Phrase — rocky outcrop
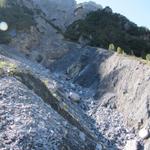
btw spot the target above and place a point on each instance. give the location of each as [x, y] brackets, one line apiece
[25, 41]
[82, 9]
[59, 12]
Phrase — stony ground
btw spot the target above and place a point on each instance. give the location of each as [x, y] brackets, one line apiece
[108, 121]
[21, 127]
[24, 123]
[27, 123]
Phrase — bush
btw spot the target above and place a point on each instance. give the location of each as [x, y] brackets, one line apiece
[5, 38]
[120, 50]
[111, 47]
[17, 17]
[148, 57]
[3, 3]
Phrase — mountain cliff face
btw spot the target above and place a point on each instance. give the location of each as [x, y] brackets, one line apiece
[83, 9]
[59, 12]
[61, 95]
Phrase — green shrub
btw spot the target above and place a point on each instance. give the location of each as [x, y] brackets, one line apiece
[111, 47]
[148, 57]
[5, 38]
[120, 50]
[17, 17]
[3, 3]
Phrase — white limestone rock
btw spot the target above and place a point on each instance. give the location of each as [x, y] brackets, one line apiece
[82, 9]
[60, 12]
[147, 145]
[74, 96]
[99, 147]
[3, 26]
[131, 145]
[143, 133]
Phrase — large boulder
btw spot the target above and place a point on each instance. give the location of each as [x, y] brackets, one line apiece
[131, 144]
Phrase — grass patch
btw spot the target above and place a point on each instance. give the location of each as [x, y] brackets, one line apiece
[8, 66]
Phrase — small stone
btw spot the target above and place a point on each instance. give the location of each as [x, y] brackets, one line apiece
[80, 92]
[131, 145]
[147, 145]
[98, 147]
[72, 86]
[74, 96]
[3, 26]
[82, 136]
[143, 133]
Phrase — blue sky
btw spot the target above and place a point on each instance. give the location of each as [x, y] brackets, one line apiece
[137, 11]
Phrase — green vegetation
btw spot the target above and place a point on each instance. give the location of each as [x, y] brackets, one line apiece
[120, 50]
[5, 38]
[148, 57]
[3, 3]
[112, 47]
[102, 28]
[17, 17]
[10, 67]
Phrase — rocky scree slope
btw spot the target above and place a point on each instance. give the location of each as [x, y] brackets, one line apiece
[109, 104]
[86, 124]
[28, 119]
[118, 82]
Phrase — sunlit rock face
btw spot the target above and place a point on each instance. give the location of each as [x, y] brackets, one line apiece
[60, 12]
[83, 9]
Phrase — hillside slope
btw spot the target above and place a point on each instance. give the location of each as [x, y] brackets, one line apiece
[103, 27]
[61, 95]
[118, 82]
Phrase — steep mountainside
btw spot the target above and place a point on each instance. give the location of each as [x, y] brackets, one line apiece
[40, 26]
